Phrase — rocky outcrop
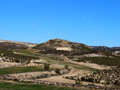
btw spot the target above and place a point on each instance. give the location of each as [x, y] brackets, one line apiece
[110, 77]
[33, 75]
[28, 75]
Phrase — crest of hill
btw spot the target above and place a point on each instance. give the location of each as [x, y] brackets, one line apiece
[8, 44]
[54, 43]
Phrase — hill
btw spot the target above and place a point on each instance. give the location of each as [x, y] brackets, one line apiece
[9, 43]
[112, 49]
[67, 64]
[10, 56]
[60, 46]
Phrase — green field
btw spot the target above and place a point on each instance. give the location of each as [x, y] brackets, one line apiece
[11, 70]
[27, 52]
[23, 86]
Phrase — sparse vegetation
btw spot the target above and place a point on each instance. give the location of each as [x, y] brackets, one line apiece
[110, 77]
[10, 45]
[109, 61]
[78, 80]
[66, 66]
[46, 66]
[10, 56]
[57, 71]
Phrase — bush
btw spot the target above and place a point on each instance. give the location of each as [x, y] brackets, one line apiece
[78, 82]
[57, 71]
[66, 67]
[46, 66]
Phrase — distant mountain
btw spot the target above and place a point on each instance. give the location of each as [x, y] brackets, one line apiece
[113, 49]
[100, 48]
[8, 44]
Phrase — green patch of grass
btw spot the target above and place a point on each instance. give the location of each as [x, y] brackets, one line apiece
[27, 52]
[85, 68]
[10, 86]
[77, 66]
[11, 70]
[57, 58]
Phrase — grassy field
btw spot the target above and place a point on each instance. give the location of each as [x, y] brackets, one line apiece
[13, 86]
[27, 52]
[73, 65]
[11, 70]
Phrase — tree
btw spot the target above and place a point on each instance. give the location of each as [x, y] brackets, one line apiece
[66, 67]
[46, 66]
[57, 71]
[78, 80]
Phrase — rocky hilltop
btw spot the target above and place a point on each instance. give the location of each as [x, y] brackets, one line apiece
[60, 43]
[60, 46]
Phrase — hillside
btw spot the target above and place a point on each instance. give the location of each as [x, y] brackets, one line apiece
[10, 43]
[10, 56]
[58, 62]
[60, 46]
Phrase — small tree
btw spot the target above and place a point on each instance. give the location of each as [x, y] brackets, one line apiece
[78, 80]
[66, 67]
[46, 66]
[57, 71]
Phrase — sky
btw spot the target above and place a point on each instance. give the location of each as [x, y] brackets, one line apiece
[92, 22]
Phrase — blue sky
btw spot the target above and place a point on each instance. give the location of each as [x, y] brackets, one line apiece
[92, 22]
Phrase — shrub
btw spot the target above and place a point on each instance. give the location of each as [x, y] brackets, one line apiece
[78, 82]
[46, 66]
[57, 71]
[66, 67]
